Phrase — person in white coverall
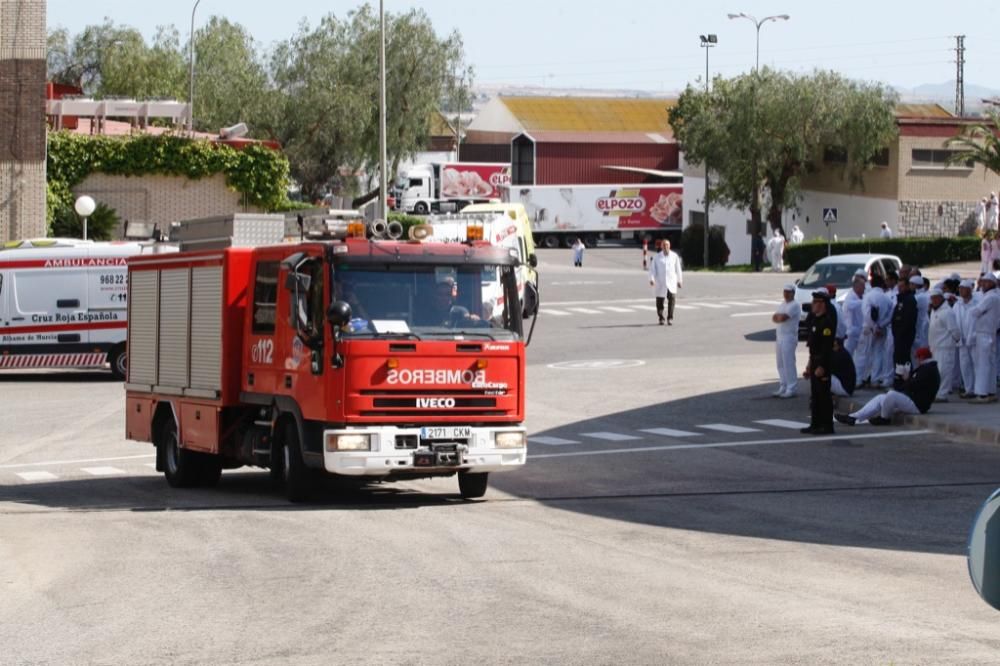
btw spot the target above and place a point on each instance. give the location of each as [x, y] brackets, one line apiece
[992, 212]
[944, 337]
[966, 347]
[797, 236]
[786, 320]
[986, 253]
[666, 277]
[775, 251]
[985, 317]
[920, 293]
[883, 367]
[852, 309]
[871, 345]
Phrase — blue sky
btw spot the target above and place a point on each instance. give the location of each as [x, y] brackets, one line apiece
[641, 44]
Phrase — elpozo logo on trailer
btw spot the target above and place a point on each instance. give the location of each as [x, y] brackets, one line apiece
[621, 203]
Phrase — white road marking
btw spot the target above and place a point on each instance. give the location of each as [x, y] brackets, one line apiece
[726, 445]
[611, 308]
[103, 471]
[714, 306]
[669, 432]
[763, 302]
[586, 311]
[551, 441]
[751, 314]
[555, 313]
[649, 308]
[725, 427]
[678, 306]
[578, 283]
[734, 304]
[610, 436]
[76, 462]
[37, 476]
[782, 423]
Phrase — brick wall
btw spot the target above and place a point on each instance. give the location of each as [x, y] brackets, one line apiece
[22, 119]
[163, 199]
[937, 218]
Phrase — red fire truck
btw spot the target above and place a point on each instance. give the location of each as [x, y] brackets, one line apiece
[352, 357]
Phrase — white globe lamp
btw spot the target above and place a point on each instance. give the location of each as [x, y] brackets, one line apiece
[85, 207]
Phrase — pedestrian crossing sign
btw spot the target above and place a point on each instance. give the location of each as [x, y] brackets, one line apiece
[829, 215]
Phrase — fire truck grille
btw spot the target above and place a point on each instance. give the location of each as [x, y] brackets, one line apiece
[434, 412]
[432, 403]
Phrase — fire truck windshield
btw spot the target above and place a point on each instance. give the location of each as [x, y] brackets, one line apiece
[427, 300]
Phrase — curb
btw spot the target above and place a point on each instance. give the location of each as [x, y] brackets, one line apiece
[967, 431]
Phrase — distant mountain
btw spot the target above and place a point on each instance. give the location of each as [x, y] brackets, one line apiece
[944, 94]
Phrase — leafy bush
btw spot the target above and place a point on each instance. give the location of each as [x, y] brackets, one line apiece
[100, 226]
[693, 246]
[914, 251]
[407, 221]
[259, 173]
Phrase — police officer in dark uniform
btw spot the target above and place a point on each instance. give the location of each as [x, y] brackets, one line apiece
[822, 326]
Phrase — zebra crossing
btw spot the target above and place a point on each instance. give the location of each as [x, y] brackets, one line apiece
[64, 473]
[696, 431]
[560, 310]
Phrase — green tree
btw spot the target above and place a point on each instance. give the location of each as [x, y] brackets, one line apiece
[324, 103]
[767, 130]
[979, 144]
[230, 78]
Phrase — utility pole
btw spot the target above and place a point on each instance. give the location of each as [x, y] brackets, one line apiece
[707, 42]
[382, 159]
[960, 76]
[191, 66]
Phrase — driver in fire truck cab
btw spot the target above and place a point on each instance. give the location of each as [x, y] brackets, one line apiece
[428, 300]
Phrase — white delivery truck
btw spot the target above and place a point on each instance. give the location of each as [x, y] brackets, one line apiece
[451, 186]
[63, 304]
[560, 214]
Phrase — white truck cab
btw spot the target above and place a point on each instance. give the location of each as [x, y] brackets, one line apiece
[63, 304]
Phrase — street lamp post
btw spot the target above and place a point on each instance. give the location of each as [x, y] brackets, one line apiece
[757, 24]
[707, 42]
[191, 67]
[382, 157]
[85, 207]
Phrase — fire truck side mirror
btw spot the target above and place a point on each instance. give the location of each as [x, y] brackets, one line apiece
[339, 314]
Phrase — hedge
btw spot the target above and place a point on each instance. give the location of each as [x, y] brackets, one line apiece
[693, 246]
[259, 173]
[913, 251]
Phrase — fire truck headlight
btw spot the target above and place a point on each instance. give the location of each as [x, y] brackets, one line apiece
[348, 442]
[510, 440]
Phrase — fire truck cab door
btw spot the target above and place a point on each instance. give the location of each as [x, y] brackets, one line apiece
[302, 318]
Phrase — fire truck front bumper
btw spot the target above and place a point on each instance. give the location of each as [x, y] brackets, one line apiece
[387, 450]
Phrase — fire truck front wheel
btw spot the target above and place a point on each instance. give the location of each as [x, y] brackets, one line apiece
[297, 479]
[473, 485]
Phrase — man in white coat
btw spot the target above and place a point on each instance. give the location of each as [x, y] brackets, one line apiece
[853, 312]
[967, 345]
[944, 337]
[920, 293]
[985, 317]
[868, 358]
[786, 320]
[797, 236]
[776, 251]
[981, 215]
[666, 277]
[884, 367]
[992, 212]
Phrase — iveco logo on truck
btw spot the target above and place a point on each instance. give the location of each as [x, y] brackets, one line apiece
[435, 403]
[616, 204]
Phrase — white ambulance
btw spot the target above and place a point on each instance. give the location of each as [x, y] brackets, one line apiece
[63, 304]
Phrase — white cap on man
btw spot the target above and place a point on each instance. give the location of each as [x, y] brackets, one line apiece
[967, 284]
[917, 281]
[789, 287]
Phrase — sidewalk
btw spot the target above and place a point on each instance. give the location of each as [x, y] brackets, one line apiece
[959, 418]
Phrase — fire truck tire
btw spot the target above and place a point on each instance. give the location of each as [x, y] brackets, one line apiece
[118, 359]
[473, 486]
[298, 479]
[181, 467]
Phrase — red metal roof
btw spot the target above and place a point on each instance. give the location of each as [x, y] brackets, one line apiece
[662, 137]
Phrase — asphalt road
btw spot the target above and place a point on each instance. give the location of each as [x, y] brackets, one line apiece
[670, 513]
